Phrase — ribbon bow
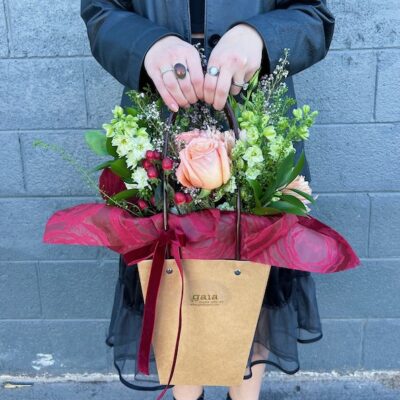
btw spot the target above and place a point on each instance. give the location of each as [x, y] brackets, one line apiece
[176, 239]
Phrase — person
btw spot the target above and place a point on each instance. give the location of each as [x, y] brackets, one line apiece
[151, 42]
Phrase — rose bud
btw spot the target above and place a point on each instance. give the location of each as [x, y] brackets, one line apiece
[147, 164]
[188, 198]
[157, 155]
[150, 155]
[152, 172]
[179, 198]
[167, 164]
[142, 204]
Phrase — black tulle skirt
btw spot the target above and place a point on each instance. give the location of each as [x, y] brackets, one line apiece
[288, 316]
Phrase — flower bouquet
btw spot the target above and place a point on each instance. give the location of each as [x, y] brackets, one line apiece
[185, 194]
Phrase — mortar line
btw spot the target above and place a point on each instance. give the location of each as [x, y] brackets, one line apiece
[22, 163]
[364, 328]
[85, 92]
[376, 85]
[369, 225]
[7, 14]
[39, 286]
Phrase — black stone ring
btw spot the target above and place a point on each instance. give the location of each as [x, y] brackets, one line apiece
[180, 70]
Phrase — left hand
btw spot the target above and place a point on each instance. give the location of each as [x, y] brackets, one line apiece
[238, 56]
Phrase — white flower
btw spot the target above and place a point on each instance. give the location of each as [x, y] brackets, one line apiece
[225, 207]
[230, 186]
[253, 156]
[118, 111]
[252, 173]
[140, 178]
[123, 143]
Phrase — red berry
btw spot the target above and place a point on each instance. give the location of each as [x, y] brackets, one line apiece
[157, 155]
[179, 198]
[150, 155]
[153, 200]
[142, 204]
[152, 172]
[146, 164]
[167, 164]
[188, 198]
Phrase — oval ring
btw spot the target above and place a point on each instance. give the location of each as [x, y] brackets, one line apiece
[166, 69]
[180, 70]
[213, 71]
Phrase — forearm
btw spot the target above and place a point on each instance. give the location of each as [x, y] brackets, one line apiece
[306, 28]
[119, 38]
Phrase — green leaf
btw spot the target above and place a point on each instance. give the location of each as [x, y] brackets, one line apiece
[131, 111]
[297, 169]
[204, 193]
[284, 170]
[268, 194]
[255, 185]
[294, 201]
[125, 194]
[120, 168]
[304, 194]
[103, 165]
[96, 141]
[287, 208]
[111, 150]
[265, 211]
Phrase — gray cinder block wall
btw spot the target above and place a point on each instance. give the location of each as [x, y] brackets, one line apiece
[55, 301]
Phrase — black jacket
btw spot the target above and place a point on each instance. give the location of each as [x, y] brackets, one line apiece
[122, 31]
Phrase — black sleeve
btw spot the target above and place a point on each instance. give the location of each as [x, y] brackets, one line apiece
[305, 27]
[120, 38]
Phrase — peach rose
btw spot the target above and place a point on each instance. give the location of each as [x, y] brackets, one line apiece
[186, 137]
[204, 164]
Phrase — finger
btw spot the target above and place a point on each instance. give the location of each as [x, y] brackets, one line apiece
[172, 85]
[196, 74]
[187, 88]
[238, 77]
[222, 89]
[210, 83]
[164, 93]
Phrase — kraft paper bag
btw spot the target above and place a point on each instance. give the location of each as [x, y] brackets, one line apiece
[219, 316]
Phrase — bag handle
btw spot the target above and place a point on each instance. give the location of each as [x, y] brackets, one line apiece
[234, 125]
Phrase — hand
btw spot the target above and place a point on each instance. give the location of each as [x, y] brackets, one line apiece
[165, 53]
[238, 56]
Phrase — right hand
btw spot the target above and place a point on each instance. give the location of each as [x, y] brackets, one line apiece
[175, 92]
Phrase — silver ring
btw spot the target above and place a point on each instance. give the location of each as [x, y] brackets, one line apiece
[166, 69]
[213, 71]
[243, 85]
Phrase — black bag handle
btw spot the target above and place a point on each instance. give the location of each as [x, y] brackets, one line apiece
[234, 125]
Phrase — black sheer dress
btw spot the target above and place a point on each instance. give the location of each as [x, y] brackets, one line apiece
[289, 314]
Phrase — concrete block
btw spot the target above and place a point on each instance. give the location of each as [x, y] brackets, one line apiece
[47, 31]
[364, 292]
[365, 23]
[341, 87]
[87, 289]
[52, 347]
[41, 93]
[387, 104]
[339, 348]
[103, 93]
[385, 225]
[382, 344]
[46, 172]
[11, 173]
[23, 222]
[354, 157]
[3, 31]
[19, 290]
[348, 214]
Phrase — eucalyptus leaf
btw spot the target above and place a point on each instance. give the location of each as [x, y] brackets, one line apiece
[96, 141]
[101, 166]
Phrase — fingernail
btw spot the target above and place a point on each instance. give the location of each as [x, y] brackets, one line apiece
[174, 107]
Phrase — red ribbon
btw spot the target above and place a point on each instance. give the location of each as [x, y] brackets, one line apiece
[175, 239]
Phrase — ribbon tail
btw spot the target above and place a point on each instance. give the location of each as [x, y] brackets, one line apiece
[150, 307]
[177, 257]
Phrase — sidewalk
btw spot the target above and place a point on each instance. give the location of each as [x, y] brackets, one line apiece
[366, 386]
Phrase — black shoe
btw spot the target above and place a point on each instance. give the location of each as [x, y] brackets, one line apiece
[199, 398]
[228, 396]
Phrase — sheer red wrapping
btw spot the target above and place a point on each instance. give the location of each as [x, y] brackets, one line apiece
[285, 240]
[302, 243]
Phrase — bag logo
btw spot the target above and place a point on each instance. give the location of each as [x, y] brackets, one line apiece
[206, 299]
